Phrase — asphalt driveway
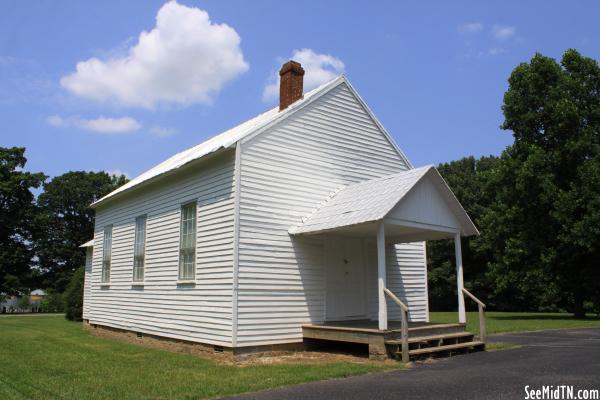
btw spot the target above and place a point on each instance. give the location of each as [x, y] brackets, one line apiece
[558, 357]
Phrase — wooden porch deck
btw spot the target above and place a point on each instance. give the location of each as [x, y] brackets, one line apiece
[383, 343]
[366, 325]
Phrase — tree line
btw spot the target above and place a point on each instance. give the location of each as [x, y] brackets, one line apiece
[40, 236]
[537, 205]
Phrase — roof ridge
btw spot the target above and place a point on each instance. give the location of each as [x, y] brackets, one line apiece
[423, 171]
[392, 176]
[331, 195]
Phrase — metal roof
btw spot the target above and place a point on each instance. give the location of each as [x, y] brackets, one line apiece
[223, 140]
[372, 200]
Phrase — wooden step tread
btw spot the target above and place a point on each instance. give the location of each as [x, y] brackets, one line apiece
[432, 327]
[457, 346]
[419, 339]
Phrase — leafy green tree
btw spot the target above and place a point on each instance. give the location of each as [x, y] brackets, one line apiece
[546, 210]
[53, 302]
[17, 211]
[67, 221]
[466, 177]
[24, 304]
[74, 296]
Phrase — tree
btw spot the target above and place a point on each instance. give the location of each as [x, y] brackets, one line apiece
[53, 302]
[546, 208]
[67, 221]
[17, 211]
[466, 177]
[24, 304]
[74, 296]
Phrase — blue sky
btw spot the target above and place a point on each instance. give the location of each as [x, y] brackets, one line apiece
[433, 72]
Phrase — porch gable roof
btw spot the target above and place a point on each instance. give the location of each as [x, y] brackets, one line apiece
[89, 243]
[373, 200]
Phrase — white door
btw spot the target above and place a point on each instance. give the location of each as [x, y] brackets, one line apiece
[346, 284]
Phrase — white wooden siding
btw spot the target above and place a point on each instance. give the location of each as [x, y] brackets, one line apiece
[424, 204]
[87, 284]
[285, 173]
[406, 277]
[200, 312]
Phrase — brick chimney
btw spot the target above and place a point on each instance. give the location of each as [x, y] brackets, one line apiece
[291, 84]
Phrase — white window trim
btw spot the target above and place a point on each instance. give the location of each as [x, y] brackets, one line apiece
[106, 271]
[139, 282]
[187, 279]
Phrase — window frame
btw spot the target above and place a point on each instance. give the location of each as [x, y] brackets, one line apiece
[137, 255]
[186, 272]
[106, 254]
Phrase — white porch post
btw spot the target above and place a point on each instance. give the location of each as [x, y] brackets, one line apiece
[383, 321]
[462, 317]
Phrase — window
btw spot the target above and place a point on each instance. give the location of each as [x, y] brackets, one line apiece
[139, 249]
[106, 252]
[187, 253]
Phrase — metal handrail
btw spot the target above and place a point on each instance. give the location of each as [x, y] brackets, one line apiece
[481, 306]
[404, 321]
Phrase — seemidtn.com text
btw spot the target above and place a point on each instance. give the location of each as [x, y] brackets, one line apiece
[560, 392]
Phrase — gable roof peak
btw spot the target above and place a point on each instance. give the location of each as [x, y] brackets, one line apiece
[372, 200]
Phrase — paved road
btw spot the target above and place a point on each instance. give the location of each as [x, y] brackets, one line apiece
[570, 357]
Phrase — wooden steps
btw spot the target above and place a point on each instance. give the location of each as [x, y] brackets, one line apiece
[429, 350]
[435, 340]
[420, 339]
[427, 330]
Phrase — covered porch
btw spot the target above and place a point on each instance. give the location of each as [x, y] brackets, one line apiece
[412, 206]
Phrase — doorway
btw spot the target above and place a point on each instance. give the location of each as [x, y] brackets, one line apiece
[346, 279]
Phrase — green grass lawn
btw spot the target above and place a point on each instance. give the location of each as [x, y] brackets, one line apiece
[45, 357]
[499, 322]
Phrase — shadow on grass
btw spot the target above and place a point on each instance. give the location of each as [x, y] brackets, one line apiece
[546, 317]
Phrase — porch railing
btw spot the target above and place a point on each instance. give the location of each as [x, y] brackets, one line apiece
[404, 320]
[481, 305]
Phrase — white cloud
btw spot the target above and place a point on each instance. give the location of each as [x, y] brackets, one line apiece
[184, 59]
[118, 172]
[503, 32]
[471, 27]
[161, 131]
[319, 68]
[100, 124]
[111, 125]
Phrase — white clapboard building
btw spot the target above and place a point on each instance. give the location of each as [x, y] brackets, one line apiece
[308, 215]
